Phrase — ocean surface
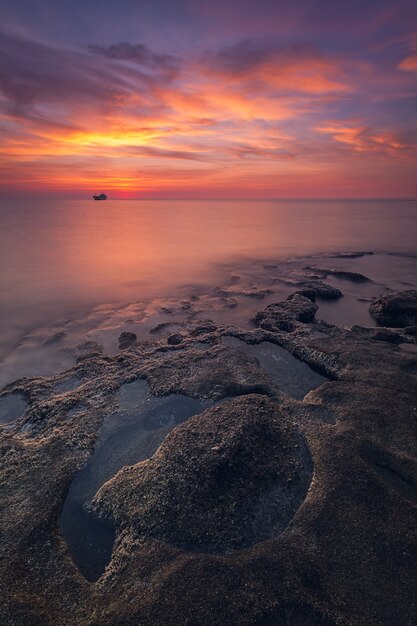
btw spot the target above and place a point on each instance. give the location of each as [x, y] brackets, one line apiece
[74, 271]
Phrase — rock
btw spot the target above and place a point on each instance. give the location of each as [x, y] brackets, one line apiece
[256, 292]
[199, 495]
[175, 339]
[353, 276]
[395, 310]
[383, 334]
[127, 340]
[88, 350]
[159, 327]
[217, 372]
[202, 327]
[229, 303]
[282, 315]
[350, 255]
[56, 338]
[318, 289]
[181, 563]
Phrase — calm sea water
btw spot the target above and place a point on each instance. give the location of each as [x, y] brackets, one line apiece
[61, 258]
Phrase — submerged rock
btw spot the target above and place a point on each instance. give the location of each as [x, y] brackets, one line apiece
[397, 310]
[56, 338]
[350, 255]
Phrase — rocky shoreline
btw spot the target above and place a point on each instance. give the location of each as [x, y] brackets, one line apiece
[262, 509]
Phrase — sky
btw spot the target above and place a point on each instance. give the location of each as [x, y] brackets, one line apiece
[209, 99]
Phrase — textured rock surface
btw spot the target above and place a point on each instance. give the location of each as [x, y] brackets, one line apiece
[226, 479]
[127, 340]
[283, 315]
[340, 550]
[396, 310]
[313, 289]
[355, 277]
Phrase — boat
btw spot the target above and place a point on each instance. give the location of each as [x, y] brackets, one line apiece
[101, 196]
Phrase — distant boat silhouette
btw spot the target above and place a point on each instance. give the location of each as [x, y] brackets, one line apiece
[102, 196]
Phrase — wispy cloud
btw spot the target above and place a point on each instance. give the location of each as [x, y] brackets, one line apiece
[239, 117]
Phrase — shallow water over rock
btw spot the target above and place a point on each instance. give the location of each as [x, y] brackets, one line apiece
[291, 375]
[11, 408]
[131, 434]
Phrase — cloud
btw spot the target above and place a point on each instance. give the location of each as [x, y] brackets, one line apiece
[140, 54]
[367, 139]
[38, 81]
[296, 68]
[409, 64]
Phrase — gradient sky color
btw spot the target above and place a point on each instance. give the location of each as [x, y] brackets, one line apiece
[210, 99]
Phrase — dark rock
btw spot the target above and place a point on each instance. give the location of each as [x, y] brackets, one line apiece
[396, 310]
[91, 356]
[88, 350]
[256, 292]
[226, 479]
[202, 327]
[217, 372]
[282, 315]
[318, 289]
[383, 334]
[335, 563]
[175, 339]
[127, 340]
[159, 327]
[56, 338]
[353, 276]
[229, 303]
[350, 255]
[234, 279]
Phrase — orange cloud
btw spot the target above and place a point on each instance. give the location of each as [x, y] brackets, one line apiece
[409, 64]
[364, 139]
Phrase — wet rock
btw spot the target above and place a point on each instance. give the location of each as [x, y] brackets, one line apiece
[11, 407]
[355, 277]
[88, 350]
[318, 289]
[395, 310]
[224, 480]
[379, 334]
[350, 255]
[175, 339]
[229, 303]
[335, 563]
[56, 338]
[127, 340]
[256, 292]
[160, 327]
[217, 372]
[282, 315]
[203, 327]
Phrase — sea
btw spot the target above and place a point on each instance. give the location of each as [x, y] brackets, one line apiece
[77, 271]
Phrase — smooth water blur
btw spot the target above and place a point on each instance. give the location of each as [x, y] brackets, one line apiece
[61, 258]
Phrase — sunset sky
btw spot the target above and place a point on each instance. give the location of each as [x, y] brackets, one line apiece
[209, 98]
